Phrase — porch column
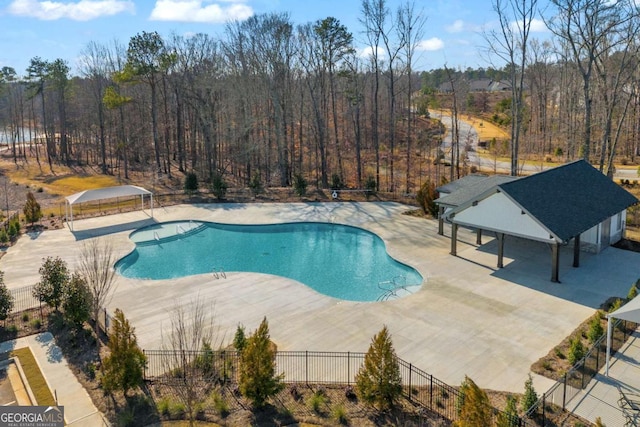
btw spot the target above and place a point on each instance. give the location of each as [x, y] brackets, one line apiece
[441, 220]
[555, 262]
[454, 239]
[479, 236]
[500, 237]
[576, 251]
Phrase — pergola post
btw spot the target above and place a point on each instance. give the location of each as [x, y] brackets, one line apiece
[454, 239]
[555, 262]
[479, 236]
[576, 251]
[441, 220]
[606, 370]
[500, 237]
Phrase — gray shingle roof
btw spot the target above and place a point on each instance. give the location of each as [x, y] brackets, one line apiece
[469, 189]
[456, 185]
[569, 199]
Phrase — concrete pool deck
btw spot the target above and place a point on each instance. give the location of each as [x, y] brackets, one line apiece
[469, 318]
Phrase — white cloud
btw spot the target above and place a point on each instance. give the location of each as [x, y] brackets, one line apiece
[537, 26]
[431, 44]
[456, 27]
[83, 10]
[367, 52]
[197, 11]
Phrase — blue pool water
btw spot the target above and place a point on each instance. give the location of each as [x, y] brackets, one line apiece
[337, 260]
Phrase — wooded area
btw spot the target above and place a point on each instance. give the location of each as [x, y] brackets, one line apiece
[271, 100]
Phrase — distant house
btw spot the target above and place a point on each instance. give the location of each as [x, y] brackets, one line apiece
[570, 204]
[477, 85]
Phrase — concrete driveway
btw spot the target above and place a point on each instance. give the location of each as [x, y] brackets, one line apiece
[469, 318]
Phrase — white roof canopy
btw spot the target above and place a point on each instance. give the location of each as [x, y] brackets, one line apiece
[629, 312]
[106, 193]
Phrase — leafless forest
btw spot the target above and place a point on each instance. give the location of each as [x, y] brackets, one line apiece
[271, 99]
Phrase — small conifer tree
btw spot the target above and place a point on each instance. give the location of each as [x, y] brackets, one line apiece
[378, 382]
[476, 410]
[576, 350]
[509, 418]
[595, 329]
[32, 211]
[530, 396]
[239, 339]
[258, 379]
[123, 369]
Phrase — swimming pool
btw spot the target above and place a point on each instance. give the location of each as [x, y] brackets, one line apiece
[340, 261]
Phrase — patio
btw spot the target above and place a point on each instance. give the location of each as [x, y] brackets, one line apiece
[600, 398]
[469, 317]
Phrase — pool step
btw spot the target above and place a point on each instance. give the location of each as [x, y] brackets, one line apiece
[157, 239]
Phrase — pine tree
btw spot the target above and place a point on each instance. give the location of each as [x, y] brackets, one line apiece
[378, 382]
[476, 409]
[32, 211]
[258, 380]
[123, 369]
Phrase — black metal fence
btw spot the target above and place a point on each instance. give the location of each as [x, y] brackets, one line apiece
[580, 374]
[307, 367]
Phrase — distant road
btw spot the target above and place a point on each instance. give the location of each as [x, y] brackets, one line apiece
[469, 137]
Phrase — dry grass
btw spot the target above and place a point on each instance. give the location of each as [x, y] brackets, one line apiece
[36, 380]
[486, 130]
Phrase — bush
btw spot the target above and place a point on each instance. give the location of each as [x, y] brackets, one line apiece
[633, 291]
[36, 324]
[595, 329]
[558, 152]
[54, 276]
[339, 415]
[371, 186]
[4, 237]
[219, 404]
[317, 401]
[299, 185]
[218, 186]
[336, 182]
[190, 183]
[576, 350]
[6, 299]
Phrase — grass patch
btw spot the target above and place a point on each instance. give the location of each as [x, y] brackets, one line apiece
[34, 376]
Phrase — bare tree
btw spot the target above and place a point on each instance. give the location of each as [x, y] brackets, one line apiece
[410, 30]
[96, 267]
[590, 30]
[510, 43]
[188, 352]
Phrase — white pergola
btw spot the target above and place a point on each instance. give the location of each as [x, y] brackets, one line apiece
[105, 193]
[630, 312]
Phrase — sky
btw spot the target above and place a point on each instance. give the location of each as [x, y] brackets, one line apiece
[52, 29]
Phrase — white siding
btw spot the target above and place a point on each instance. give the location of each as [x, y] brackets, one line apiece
[499, 213]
